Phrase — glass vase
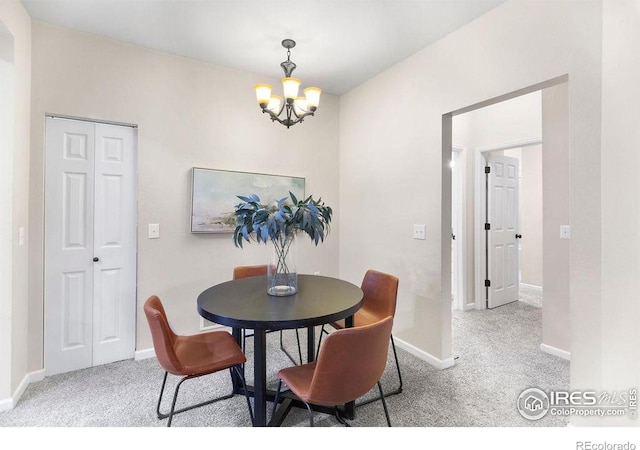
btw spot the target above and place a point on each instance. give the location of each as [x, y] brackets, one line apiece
[282, 276]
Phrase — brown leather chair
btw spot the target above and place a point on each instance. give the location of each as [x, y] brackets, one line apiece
[349, 365]
[257, 271]
[191, 356]
[380, 298]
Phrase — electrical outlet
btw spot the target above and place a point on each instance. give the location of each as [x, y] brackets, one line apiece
[154, 230]
[419, 231]
[565, 232]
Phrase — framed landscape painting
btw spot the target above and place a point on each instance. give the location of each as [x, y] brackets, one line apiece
[214, 195]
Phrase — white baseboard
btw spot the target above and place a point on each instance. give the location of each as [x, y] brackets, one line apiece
[6, 404]
[31, 377]
[555, 351]
[531, 287]
[425, 356]
[144, 354]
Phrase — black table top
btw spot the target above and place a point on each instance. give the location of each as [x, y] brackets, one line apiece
[244, 303]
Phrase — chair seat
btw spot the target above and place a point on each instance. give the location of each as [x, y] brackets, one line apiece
[360, 319]
[298, 378]
[208, 352]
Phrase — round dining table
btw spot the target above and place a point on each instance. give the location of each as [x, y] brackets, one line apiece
[244, 303]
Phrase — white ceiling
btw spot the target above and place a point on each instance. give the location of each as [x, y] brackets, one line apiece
[340, 44]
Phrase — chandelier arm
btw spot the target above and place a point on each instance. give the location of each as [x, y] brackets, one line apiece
[273, 116]
[288, 122]
[281, 108]
[302, 116]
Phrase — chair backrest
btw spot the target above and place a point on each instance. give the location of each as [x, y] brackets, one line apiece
[380, 294]
[249, 271]
[351, 361]
[163, 336]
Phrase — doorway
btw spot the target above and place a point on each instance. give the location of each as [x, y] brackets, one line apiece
[90, 244]
[505, 130]
[553, 246]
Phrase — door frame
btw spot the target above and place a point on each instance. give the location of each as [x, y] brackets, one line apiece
[458, 178]
[7, 240]
[135, 200]
[480, 157]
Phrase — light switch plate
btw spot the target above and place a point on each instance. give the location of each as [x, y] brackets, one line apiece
[154, 230]
[419, 231]
[565, 232]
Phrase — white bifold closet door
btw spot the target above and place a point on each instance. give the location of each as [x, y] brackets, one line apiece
[90, 244]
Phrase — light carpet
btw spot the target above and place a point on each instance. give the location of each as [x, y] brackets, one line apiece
[497, 355]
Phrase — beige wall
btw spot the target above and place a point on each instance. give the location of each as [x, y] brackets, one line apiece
[516, 45]
[14, 309]
[620, 161]
[188, 114]
[556, 324]
[531, 216]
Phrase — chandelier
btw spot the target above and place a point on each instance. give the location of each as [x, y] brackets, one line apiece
[295, 108]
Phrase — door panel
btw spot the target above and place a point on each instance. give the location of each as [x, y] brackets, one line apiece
[74, 207]
[74, 288]
[115, 242]
[504, 219]
[68, 245]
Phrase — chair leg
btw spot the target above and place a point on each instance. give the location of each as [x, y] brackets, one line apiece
[276, 399]
[299, 347]
[174, 411]
[173, 403]
[398, 390]
[310, 414]
[240, 371]
[287, 353]
[164, 382]
[322, 331]
[384, 404]
[339, 418]
[395, 356]
[244, 340]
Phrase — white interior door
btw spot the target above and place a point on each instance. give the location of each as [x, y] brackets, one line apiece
[90, 247]
[502, 243]
[114, 244]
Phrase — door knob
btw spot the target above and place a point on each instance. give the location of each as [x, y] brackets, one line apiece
[518, 236]
[96, 259]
